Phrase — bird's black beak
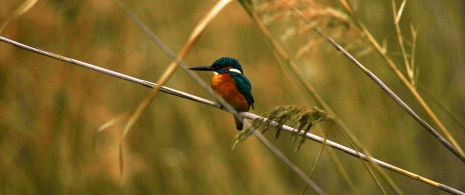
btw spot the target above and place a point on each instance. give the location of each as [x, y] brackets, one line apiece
[203, 68]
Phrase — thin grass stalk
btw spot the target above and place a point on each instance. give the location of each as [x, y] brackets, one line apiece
[341, 168]
[290, 78]
[336, 161]
[414, 33]
[246, 115]
[288, 162]
[384, 175]
[316, 162]
[345, 130]
[346, 5]
[107, 125]
[22, 9]
[443, 106]
[397, 14]
[344, 174]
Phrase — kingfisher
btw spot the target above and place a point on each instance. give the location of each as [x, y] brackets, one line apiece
[230, 83]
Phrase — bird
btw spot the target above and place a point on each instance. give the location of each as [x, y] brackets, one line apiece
[230, 83]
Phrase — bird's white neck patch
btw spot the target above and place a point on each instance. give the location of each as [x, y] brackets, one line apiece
[215, 73]
[235, 70]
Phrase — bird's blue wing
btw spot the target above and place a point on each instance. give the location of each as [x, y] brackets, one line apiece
[243, 85]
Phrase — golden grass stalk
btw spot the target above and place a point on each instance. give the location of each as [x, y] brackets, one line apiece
[22, 9]
[443, 106]
[341, 169]
[416, 71]
[323, 145]
[335, 158]
[108, 124]
[286, 161]
[397, 15]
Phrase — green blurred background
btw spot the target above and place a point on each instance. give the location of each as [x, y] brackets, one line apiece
[50, 110]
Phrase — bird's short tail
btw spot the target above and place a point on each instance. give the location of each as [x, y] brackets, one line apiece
[239, 123]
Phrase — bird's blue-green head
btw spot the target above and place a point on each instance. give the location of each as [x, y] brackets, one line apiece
[222, 65]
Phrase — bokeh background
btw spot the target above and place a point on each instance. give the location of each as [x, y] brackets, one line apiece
[50, 110]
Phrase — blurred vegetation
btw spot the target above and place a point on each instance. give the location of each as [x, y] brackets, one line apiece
[50, 110]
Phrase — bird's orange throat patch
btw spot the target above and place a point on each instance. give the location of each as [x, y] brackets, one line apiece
[225, 87]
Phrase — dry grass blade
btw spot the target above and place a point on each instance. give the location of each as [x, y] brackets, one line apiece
[345, 175]
[316, 162]
[168, 72]
[346, 5]
[414, 33]
[286, 161]
[289, 78]
[397, 15]
[401, 10]
[200, 28]
[22, 9]
[459, 120]
[107, 125]
[336, 160]
[113, 122]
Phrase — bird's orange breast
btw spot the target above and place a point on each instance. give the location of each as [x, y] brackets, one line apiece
[225, 87]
